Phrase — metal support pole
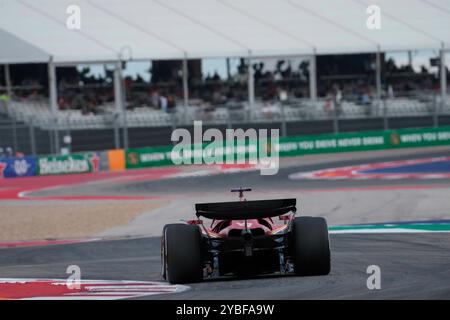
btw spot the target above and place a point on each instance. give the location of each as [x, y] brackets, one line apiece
[32, 137]
[385, 115]
[443, 79]
[118, 103]
[335, 118]
[68, 142]
[250, 85]
[53, 95]
[14, 135]
[125, 120]
[378, 78]
[185, 88]
[50, 140]
[228, 69]
[118, 106]
[436, 114]
[8, 80]
[283, 121]
[313, 78]
[410, 59]
[229, 123]
[119, 100]
[173, 121]
[116, 131]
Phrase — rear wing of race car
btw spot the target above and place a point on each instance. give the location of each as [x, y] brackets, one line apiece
[243, 210]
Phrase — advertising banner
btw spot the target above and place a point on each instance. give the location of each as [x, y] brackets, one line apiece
[302, 145]
[18, 167]
[148, 157]
[76, 163]
[362, 141]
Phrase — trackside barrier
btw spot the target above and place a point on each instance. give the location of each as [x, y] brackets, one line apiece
[303, 145]
[18, 167]
[75, 163]
[117, 160]
[53, 165]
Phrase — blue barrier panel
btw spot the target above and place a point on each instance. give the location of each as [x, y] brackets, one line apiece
[18, 167]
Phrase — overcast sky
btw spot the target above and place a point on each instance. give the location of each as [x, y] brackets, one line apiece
[209, 66]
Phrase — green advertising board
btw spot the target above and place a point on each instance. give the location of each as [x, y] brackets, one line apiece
[362, 141]
[148, 157]
[293, 146]
[75, 163]
[161, 156]
[303, 145]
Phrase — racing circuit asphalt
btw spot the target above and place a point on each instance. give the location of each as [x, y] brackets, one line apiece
[415, 265]
[223, 183]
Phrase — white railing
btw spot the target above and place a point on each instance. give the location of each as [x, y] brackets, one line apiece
[39, 113]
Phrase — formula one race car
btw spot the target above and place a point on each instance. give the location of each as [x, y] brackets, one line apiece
[244, 240]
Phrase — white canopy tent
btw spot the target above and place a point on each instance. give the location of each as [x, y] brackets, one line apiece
[112, 30]
[175, 29]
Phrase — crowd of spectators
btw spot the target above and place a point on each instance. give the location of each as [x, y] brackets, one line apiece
[91, 97]
[90, 94]
[8, 152]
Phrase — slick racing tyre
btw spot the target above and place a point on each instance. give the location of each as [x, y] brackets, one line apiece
[311, 247]
[182, 254]
[163, 253]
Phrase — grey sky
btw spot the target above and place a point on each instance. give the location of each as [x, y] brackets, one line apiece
[209, 66]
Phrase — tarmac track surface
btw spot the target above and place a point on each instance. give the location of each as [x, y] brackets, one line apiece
[415, 265]
[206, 185]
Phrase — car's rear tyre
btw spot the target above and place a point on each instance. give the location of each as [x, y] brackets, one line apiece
[163, 253]
[311, 246]
[182, 253]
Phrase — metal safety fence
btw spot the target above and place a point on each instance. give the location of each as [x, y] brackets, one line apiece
[32, 128]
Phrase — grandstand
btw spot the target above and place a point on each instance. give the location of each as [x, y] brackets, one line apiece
[40, 114]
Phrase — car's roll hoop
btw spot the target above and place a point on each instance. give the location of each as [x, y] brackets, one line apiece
[241, 192]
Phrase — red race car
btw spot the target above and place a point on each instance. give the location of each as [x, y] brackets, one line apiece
[244, 240]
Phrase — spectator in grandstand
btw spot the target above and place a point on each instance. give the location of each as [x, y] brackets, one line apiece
[4, 97]
[62, 104]
[329, 104]
[390, 93]
[154, 97]
[217, 96]
[171, 104]
[34, 95]
[92, 104]
[76, 101]
[163, 103]
[216, 76]
[366, 101]
[282, 94]
[8, 152]
[338, 101]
